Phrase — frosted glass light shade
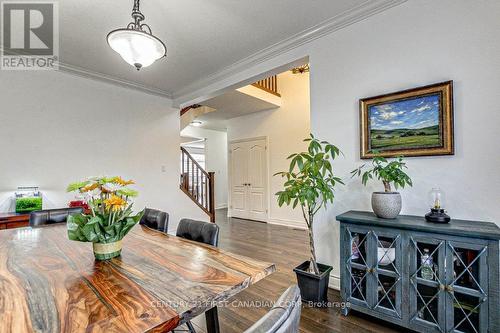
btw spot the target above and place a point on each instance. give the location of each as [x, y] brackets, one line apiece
[137, 48]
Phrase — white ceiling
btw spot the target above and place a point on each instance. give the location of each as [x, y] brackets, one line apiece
[202, 36]
[231, 105]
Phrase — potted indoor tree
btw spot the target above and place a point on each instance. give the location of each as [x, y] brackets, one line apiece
[109, 217]
[385, 204]
[310, 184]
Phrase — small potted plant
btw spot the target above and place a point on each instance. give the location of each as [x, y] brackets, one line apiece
[110, 215]
[310, 184]
[385, 204]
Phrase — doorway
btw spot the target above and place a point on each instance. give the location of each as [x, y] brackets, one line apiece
[248, 179]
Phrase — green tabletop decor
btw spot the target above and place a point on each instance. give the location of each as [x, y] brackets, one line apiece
[28, 199]
[28, 204]
[111, 216]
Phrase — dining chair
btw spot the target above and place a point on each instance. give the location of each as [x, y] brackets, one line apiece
[198, 231]
[155, 219]
[284, 317]
[50, 216]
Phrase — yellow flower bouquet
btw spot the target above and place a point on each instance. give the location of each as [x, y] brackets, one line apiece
[110, 215]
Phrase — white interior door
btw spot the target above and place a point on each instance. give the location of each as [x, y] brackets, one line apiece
[257, 176]
[239, 172]
[249, 180]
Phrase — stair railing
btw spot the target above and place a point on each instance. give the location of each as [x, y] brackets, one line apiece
[198, 184]
[269, 85]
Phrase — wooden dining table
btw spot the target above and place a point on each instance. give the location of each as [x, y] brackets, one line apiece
[51, 284]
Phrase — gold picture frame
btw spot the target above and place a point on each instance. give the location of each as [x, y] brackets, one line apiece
[414, 122]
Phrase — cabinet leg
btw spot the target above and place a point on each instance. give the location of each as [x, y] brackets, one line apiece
[345, 311]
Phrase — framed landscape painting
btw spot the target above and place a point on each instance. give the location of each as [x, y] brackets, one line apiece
[415, 122]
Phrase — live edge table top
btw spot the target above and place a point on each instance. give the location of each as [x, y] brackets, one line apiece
[51, 284]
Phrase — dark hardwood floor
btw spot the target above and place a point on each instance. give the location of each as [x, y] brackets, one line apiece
[286, 247]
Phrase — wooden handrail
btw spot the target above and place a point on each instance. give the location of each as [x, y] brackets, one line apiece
[186, 109]
[198, 184]
[269, 85]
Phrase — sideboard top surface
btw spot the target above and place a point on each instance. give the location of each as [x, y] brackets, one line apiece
[473, 229]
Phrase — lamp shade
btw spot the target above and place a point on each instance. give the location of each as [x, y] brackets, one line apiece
[436, 199]
[138, 48]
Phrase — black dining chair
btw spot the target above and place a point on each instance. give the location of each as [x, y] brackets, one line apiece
[155, 219]
[51, 216]
[198, 231]
[284, 317]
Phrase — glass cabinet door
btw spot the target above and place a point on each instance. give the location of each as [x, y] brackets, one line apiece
[358, 266]
[388, 272]
[427, 283]
[467, 288]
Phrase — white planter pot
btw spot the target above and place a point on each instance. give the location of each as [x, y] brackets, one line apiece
[386, 205]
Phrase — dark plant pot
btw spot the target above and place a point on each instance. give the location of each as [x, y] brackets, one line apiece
[313, 288]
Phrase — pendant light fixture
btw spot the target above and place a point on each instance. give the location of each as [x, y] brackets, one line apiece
[136, 44]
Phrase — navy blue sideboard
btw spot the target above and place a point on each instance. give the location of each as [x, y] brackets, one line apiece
[424, 276]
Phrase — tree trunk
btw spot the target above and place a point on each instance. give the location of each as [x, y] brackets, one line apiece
[387, 186]
[313, 265]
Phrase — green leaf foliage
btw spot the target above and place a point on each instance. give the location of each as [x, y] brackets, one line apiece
[389, 172]
[102, 228]
[76, 186]
[310, 181]
[127, 192]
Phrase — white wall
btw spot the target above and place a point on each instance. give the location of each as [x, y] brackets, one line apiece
[413, 44]
[215, 159]
[56, 128]
[285, 128]
[417, 43]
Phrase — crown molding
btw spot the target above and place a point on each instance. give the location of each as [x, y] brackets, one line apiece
[110, 79]
[347, 18]
[89, 74]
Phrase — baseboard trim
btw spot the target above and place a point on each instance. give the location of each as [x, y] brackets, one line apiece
[223, 206]
[288, 223]
[334, 282]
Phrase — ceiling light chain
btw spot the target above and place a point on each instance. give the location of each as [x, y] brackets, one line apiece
[138, 18]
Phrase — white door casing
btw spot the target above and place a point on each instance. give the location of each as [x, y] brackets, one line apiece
[248, 168]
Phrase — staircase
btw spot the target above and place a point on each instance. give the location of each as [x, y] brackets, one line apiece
[198, 184]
